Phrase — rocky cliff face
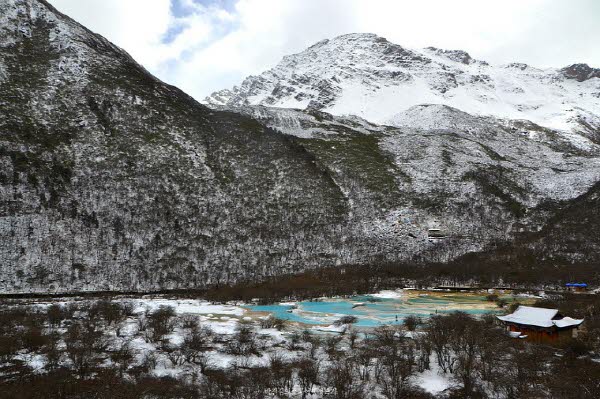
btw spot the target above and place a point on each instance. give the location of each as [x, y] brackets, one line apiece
[111, 179]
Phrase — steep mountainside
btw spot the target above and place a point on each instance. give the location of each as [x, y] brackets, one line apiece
[477, 178]
[111, 179]
[566, 248]
[486, 153]
[367, 76]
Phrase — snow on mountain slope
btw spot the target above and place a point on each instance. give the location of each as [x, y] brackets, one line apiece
[367, 76]
[112, 180]
[478, 178]
[431, 137]
[306, 123]
[437, 144]
[432, 116]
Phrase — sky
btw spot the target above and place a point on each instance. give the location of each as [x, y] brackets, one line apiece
[206, 45]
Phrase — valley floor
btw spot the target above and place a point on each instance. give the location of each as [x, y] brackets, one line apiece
[173, 347]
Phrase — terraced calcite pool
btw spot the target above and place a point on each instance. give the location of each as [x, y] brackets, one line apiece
[387, 307]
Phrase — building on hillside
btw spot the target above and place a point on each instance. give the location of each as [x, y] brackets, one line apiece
[436, 234]
[540, 324]
[577, 287]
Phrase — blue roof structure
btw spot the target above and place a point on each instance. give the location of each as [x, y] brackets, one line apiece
[578, 285]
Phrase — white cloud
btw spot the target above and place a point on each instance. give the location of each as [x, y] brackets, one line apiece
[216, 43]
[135, 25]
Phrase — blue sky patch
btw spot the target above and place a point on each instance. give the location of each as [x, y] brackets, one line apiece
[172, 33]
[179, 8]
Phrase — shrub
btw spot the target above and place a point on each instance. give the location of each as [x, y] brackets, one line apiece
[492, 297]
[161, 322]
[189, 321]
[345, 320]
[412, 322]
[273, 322]
[342, 378]
[243, 342]
[308, 375]
[56, 314]
[501, 303]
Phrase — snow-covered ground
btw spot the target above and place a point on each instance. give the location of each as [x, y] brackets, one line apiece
[433, 380]
[222, 323]
[210, 316]
[190, 306]
[389, 294]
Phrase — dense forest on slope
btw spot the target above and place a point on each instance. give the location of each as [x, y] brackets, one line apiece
[113, 180]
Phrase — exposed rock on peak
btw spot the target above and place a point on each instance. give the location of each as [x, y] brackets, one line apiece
[581, 72]
[517, 65]
[455, 55]
[433, 117]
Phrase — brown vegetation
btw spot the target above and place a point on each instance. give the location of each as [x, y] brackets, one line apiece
[82, 357]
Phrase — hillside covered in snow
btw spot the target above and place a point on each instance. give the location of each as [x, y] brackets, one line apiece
[367, 76]
[113, 180]
[434, 138]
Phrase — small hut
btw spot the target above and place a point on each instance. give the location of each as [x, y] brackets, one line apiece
[540, 324]
[435, 234]
[576, 287]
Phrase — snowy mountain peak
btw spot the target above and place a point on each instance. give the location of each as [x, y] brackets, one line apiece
[366, 75]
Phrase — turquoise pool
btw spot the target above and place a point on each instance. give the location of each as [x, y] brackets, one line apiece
[375, 310]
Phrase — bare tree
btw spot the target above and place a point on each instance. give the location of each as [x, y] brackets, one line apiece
[342, 378]
[56, 314]
[398, 366]
[352, 336]
[161, 322]
[52, 351]
[122, 356]
[243, 342]
[439, 331]
[411, 322]
[84, 346]
[281, 374]
[308, 375]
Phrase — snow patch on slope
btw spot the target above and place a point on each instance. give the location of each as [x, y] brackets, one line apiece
[433, 117]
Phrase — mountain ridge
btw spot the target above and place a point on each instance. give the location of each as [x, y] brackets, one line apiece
[367, 76]
[113, 180]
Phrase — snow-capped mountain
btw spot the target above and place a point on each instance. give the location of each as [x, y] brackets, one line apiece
[111, 179]
[367, 76]
[422, 138]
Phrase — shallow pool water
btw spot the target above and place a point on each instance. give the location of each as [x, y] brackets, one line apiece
[377, 311]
